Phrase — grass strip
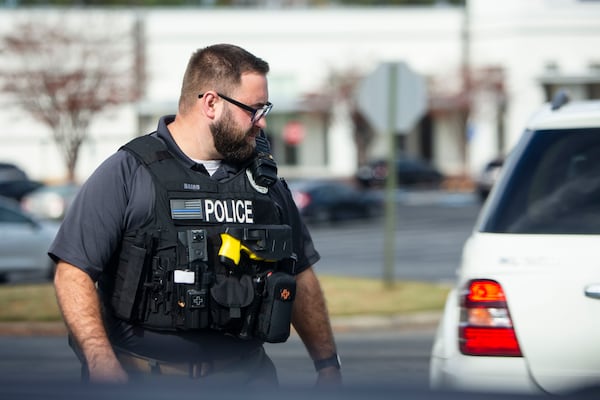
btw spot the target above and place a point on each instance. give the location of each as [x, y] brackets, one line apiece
[348, 296]
[28, 302]
[345, 297]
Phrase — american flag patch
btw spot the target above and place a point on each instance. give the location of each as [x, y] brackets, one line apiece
[186, 209]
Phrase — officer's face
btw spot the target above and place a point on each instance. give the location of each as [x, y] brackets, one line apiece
[234, 141]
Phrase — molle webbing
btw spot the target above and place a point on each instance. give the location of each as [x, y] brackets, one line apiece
[212, 254]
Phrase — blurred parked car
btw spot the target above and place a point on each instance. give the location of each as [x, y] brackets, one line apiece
[24, 243]
[50, 202]
[524, 315]
[14, 182]
[410, 171]
[10, 172]
[485, 181]
[329, 200]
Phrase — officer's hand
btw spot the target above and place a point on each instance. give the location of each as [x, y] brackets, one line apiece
[107, 370]
[329, 377]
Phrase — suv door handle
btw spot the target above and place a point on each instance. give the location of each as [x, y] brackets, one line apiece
[593, 291]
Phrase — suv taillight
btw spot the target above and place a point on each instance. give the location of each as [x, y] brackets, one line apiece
[486, 328]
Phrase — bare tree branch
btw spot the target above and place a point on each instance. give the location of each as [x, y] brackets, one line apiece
[64, 73]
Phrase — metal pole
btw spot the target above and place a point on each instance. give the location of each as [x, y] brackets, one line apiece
[390, 183]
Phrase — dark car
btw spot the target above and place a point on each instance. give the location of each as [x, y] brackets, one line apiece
[10, 172]
[330, 201]
[14, 183]
[485, 181]
[410, 171]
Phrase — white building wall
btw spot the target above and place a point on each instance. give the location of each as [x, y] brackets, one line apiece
[482, 131]
[523, 36]
[341, 145]
[447, 153]
[304, 45]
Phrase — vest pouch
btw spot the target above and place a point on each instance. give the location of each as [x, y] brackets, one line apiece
[126, 294]
[191, 297]
[275, 315]
[231, 299]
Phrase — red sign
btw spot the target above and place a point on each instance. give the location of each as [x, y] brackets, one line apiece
[293, 133]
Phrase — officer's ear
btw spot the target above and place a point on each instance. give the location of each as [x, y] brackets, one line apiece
[208, 102]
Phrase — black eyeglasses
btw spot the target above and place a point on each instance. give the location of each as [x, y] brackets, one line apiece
[255, 113]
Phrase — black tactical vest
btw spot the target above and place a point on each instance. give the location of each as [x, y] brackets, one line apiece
[210, 256]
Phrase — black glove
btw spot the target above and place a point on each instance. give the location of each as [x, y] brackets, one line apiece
[262, 144]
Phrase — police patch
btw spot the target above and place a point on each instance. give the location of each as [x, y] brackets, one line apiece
[235, 211]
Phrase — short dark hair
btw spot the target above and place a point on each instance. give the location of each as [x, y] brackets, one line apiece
[218, 67]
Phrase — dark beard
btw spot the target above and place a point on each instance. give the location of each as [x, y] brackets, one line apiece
[225, 136]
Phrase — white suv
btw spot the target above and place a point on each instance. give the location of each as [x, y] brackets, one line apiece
[524, 316]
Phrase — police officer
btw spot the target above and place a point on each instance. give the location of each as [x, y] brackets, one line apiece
[181, 255]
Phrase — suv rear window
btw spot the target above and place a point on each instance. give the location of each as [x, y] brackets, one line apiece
[554, 187]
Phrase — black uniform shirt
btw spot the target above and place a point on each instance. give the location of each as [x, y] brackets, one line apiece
[119, 197]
